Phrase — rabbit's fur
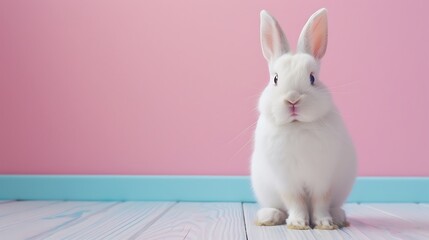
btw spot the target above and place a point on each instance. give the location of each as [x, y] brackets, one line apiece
[303, 164]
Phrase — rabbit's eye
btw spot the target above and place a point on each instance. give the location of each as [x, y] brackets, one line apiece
[311, 79]
[276, 78]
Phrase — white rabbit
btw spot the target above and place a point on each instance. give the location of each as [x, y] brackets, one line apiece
[303, 163]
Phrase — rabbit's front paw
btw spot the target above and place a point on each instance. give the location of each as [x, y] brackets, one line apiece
[270, 217]
[297, 223]
[339, 217]
[324, 223]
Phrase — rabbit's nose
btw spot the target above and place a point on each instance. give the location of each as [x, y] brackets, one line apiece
[292, 98]
[296, 101]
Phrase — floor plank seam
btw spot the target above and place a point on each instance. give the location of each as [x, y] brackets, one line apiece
[244, 220]
[387, 213]
[153, 221]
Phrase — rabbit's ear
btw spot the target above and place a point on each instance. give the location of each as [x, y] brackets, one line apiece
[314, 36]
[273, 40]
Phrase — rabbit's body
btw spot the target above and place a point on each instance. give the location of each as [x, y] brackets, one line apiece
[303, 162]
[300, 159]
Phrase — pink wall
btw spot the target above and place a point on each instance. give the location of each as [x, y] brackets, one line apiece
[170, 87]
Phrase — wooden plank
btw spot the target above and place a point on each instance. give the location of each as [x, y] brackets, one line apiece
[374, 224]
[198, 221]
[118, 222]
[424, 205]
[15, 207]
[37, 223]
[412, 212]
[406, 217]
[359, 229]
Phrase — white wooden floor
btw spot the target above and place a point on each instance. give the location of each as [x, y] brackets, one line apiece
[182, 220]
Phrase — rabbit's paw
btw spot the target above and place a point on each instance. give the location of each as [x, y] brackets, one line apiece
[324, 223]
[270, 217]
[297, 223]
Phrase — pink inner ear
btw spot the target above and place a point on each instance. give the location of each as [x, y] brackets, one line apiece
[269, 38]
[318, 37]
[269, 41]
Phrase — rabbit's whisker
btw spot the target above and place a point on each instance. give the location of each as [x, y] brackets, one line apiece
[241, 148]
[241, 133]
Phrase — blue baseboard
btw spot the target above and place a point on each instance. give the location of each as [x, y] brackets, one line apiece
[187, 188]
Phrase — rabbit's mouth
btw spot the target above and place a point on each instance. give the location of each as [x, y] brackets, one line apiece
[294, 117]
[293, 114]
[293, 109]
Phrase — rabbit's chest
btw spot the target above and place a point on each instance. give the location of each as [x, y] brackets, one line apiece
[297, 145]
[301, 153]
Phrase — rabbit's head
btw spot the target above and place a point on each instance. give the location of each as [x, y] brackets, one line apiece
[295, 92]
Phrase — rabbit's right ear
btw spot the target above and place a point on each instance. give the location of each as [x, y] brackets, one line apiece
[273, 40]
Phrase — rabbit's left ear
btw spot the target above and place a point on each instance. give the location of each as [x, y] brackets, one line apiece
[273, 40]
[314, 36]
